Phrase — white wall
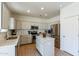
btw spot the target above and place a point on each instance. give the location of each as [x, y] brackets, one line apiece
[70, 10]
[54, 20]
[30, 19]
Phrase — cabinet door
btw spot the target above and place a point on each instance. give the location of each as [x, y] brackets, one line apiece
[5, 17]
[69, 35]
[0, 15]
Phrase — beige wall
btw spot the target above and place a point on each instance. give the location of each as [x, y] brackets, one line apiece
[54, 20]
[29, 19]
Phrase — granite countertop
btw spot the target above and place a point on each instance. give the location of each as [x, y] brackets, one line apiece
[7, 43]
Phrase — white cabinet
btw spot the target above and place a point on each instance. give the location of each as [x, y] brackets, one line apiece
[45, 45]
[43, 26]
[5, 17]
[27, 25]
[7, 51]
[25, 39]
[0, 14]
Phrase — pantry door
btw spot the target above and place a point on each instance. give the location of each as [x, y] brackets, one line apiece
[69, 35]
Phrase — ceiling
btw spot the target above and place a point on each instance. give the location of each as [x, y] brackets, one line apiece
[50, 10]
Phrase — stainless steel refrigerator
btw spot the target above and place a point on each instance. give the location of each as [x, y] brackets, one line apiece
[56, 34]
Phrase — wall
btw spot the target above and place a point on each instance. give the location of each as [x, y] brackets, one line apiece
[70, 10]
[54, 20]
[27, 18]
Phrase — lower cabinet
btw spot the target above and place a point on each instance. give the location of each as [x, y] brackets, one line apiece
[45, 46]
[25, 39]
[7, 51]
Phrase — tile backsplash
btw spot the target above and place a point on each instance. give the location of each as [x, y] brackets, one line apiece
[2, 35]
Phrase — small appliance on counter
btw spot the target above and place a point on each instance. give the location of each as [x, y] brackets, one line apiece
[13, 32]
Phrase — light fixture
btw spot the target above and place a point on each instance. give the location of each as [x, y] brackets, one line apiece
[28, 11]
[42, 8]
[45, 14]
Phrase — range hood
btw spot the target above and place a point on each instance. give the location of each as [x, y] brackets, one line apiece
[12, 23]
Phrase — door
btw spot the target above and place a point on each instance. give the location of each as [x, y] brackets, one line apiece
[69, 35]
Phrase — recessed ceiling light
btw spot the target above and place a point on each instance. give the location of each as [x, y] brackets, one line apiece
[45, 14]
[42, 8]
[28, 11]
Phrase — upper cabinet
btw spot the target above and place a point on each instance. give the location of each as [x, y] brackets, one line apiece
[70, 10]
[27, 25]
[0, 15]
[5, 17]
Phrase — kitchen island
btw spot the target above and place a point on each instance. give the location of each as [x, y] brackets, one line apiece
[45, 46]
[7, 47]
